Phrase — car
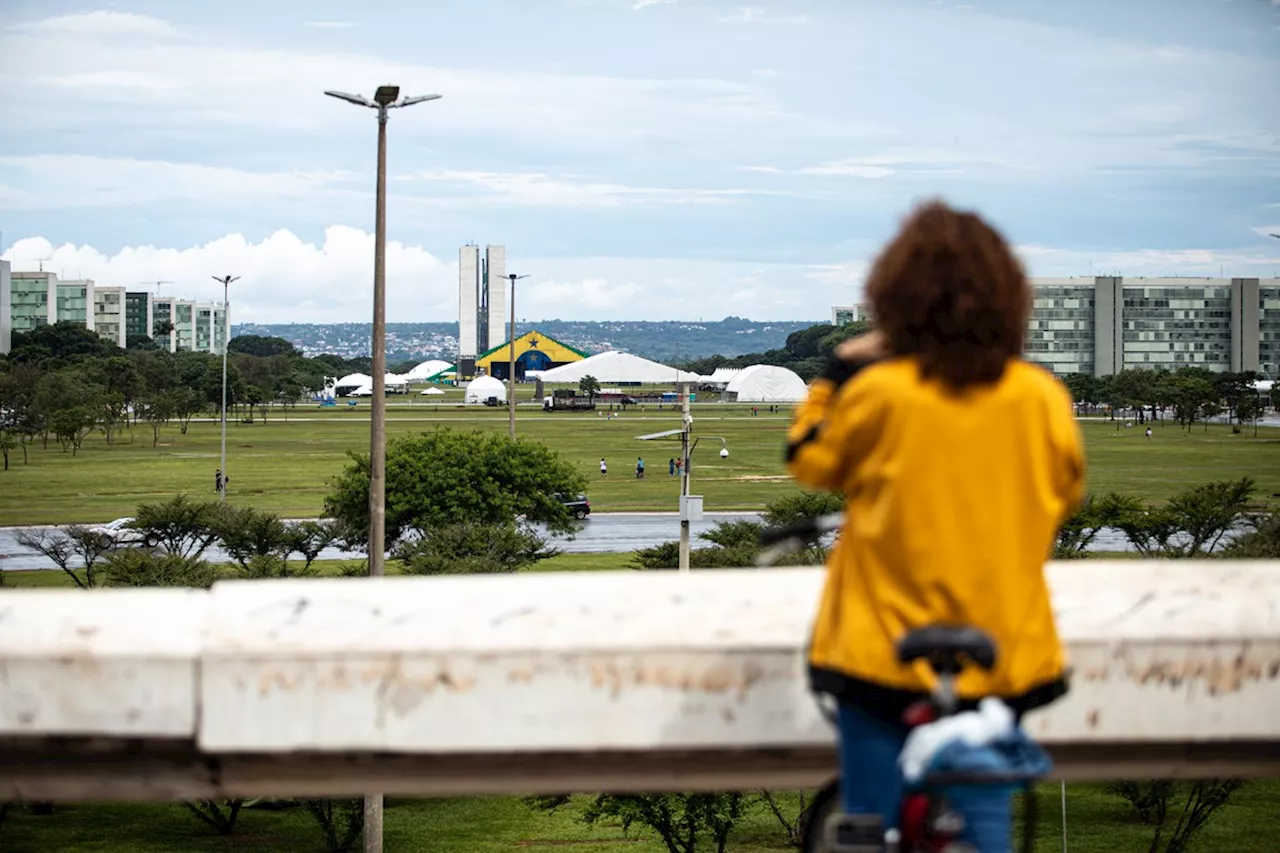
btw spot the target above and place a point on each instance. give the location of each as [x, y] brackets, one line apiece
[578, 505]
[119, 531]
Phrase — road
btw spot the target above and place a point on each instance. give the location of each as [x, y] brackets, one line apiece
[603, 532]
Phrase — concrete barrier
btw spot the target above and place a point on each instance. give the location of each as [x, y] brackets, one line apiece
[582, 681]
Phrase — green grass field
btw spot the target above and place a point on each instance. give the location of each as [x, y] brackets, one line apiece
[1096, 823]
[286, 466]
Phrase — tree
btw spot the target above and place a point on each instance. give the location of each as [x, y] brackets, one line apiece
[71, 545]
[247, 533]
[261, 346]
[471, 548]
[58, 343]
[1093, 515]
[682, 821]
[179, 525]
[340, 821]
[1249, 411]
[186, 402]
[1191, 396]
[1192, 523]
[156, 409]
[437, 478]
[211, 813]
[308, 538]
[8, 441]
[590, 386]
[70, 426]
[1151, 800]
[793, 827]
[801, 505]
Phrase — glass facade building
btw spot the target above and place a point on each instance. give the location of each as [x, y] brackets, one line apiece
[137, 315]
[1102, 325]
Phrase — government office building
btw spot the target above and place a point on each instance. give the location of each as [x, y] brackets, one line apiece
[1106, 324]
[31, 299]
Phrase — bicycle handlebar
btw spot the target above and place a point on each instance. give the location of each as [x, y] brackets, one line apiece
[780, 541]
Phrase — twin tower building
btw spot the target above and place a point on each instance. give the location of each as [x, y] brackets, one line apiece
[482, 303]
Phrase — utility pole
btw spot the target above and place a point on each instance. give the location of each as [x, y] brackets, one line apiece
[384, 99]
[511, 352]
[686, 423]
[226, 341]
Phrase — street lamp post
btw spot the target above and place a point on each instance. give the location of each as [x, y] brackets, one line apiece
[511, 352]
[226, 342]
[384, 99]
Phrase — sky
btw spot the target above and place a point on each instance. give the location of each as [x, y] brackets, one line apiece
[640, 159]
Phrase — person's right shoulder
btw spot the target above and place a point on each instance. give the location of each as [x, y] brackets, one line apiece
[1042, 381]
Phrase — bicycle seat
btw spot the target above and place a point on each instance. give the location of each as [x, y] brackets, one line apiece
[948, 647]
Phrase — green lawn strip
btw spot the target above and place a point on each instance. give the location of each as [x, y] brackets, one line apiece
[592, 562]
[286, 467]
[1097, 822]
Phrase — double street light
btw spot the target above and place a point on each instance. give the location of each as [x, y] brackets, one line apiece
[225, 281]
[511, 351]
[386, 98]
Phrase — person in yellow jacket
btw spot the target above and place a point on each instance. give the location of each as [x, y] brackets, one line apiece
[958, 461]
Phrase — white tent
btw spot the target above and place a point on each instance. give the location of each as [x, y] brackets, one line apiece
[432, 392]
[427, 369]
[353, 382]
[483, 387]
[765, 383]
[396, 384]
[618, 368]
[722, 375]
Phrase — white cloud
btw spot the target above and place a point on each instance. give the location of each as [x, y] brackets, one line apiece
[756, 15]
[101, 24]
[331, 25]
[68, 82]
[644, 4]
[84, 181]
[533, 188]
[286, 279]
[1267, 230]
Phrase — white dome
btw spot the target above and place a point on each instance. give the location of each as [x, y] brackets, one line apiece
[765, 383]
[427, 369]
[483, 387]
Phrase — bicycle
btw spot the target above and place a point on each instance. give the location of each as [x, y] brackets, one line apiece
[928, 822]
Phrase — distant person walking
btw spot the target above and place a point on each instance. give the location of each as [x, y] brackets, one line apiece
[671, 467]
[639, 467]
[217, 480]
[1148, 433]
[604, 469]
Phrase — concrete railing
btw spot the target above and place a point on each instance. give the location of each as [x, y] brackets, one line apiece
[583, 681]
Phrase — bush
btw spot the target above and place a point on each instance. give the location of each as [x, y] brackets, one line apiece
[180, 526]
[138, 567]
[472, 549]
[802, 505]
[1261, 543]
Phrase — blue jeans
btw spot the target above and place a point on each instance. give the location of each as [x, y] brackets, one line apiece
[871, 782]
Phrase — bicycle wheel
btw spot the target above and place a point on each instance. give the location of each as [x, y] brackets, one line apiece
[825, 804]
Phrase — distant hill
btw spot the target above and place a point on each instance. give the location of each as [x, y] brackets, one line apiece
[670, 340]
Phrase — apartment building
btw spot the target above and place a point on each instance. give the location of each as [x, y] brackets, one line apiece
[1104, 324]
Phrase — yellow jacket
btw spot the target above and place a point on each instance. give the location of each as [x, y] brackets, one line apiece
[953, 503]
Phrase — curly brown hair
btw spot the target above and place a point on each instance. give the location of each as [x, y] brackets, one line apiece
[949, 291]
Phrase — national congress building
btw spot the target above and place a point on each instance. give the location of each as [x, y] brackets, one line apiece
[1106, 324]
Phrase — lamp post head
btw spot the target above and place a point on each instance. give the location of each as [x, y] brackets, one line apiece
[417, 99]
[358, 100]
[385, 96]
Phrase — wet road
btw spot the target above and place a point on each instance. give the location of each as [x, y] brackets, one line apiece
[603, 532]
